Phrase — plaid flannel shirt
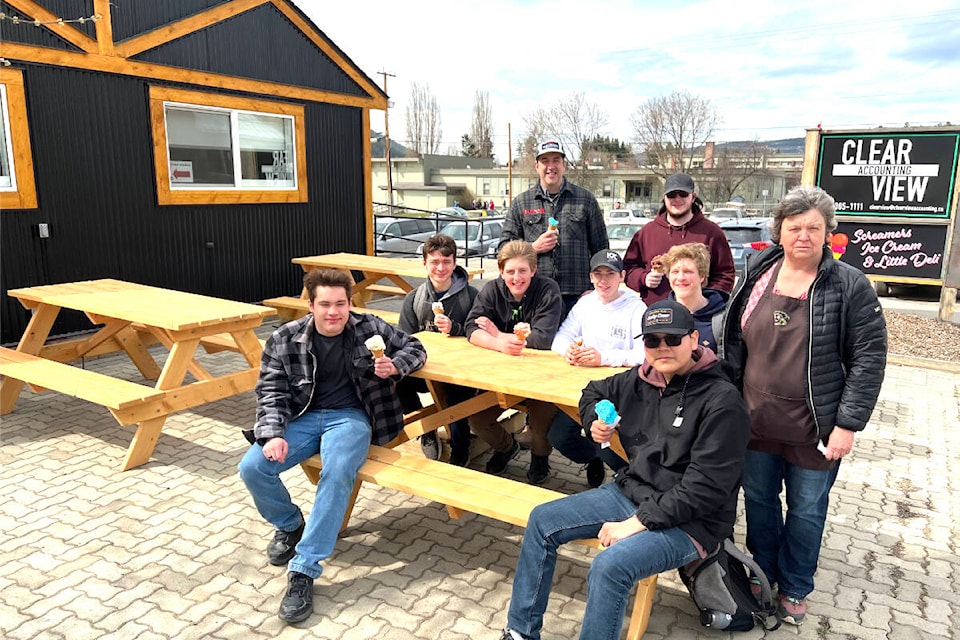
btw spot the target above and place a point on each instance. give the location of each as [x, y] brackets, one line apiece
[581, 228]
[288, 365]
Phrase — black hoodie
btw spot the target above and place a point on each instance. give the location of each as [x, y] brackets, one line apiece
[683, 475]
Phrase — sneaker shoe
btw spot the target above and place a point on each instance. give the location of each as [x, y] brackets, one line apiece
[595, 472]
[792, 610]
[284, 545]
[430, 446]
[297, 603]
[511, 635]
[497, 463]
[539, 468]
[755, 589]
[460, 458]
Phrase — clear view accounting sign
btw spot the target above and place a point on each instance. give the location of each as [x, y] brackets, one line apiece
[894, 193]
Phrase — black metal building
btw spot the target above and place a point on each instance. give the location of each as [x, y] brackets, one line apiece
[97, 195]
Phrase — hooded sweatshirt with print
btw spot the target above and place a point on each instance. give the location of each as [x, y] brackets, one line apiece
[611, 328]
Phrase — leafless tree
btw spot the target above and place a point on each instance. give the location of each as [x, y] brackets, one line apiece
[423, 120]
[730, 168]
[578, 123]
[481, 128]
[668, 129]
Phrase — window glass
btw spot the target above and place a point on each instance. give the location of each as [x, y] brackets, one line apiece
[199, 144]
[7, 180]
[266, 150]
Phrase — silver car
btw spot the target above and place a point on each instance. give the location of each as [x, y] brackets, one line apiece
[474, 237]
[404, 235]
[621, 233]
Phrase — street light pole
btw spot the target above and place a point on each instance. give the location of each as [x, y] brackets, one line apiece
[386, 141]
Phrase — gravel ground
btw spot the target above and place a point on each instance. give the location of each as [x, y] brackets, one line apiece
[911, 335]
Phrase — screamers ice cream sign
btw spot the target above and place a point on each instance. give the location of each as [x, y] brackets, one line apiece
[890, 176]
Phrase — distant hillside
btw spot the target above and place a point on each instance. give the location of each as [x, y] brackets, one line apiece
[791, 146]
[378, 149]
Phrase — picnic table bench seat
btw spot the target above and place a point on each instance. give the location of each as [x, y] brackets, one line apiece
[465, 490]
[291, 308]
[42, 374]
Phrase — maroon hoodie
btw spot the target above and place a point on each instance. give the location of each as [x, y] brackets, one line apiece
[656, 237]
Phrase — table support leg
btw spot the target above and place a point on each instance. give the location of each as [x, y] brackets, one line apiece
[642, 604]
[32, 341]
[144, 440]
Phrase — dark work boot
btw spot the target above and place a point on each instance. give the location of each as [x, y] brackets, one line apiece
[497, 463]
[539, 468]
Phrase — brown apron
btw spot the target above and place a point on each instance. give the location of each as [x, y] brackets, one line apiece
[773, 381]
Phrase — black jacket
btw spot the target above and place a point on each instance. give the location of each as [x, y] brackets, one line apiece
[846, 343]
[685, 476]
[541, 307]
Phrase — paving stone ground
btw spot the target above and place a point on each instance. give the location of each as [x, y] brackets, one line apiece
[175, 549]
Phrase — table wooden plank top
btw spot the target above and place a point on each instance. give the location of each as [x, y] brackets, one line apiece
[403, 267]
[152, 306]
[538, 375]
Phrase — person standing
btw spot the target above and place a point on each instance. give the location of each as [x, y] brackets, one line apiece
[684, 427]
[447, 285]
[680, 220]
[807, 339]
[321, 390]
[564, 252]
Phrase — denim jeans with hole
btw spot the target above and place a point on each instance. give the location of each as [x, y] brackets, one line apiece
[786, 548]
[612, 573]
[342, 437]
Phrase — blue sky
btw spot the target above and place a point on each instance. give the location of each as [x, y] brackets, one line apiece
[771, 68]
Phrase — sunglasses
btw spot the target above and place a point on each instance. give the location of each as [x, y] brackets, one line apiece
[653, 342]
[677, 194]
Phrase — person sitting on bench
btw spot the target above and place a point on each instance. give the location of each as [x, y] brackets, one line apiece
[685, 429]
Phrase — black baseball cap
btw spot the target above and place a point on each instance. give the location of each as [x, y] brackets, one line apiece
[606, 258]
[668, 317]
[679, 182]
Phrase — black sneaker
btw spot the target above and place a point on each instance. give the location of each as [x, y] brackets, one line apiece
[460, 458]
[284, 545]
[497, 463]
[430, 446]
[297, 603]
[595, 472]
[539, 468]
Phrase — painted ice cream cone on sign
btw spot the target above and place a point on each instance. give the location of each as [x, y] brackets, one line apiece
[376, 346]
[838, 244]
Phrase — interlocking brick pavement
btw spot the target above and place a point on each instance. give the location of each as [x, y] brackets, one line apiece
[175, 548]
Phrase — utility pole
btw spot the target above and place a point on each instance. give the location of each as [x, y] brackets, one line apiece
[386, 140]
[509, 166]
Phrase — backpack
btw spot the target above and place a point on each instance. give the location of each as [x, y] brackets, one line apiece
[720, 587]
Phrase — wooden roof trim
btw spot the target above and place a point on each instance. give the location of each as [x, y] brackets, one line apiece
[309, 31]
[122, 66]
[169, 32]
[104, 27]
[66, 31]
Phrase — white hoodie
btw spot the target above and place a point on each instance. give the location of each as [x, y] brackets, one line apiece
[610, 328]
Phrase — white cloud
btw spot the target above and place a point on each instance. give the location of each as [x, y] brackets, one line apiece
[772, 68]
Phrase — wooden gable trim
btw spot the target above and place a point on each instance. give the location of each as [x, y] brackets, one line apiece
[66, 31]
[368, 183]
[122, 66]
[104, 27]
[25, 197]
[169, 32]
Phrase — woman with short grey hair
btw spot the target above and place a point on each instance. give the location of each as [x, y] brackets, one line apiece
[808, 343]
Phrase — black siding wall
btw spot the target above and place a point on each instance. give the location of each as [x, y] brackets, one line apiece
[93, 158]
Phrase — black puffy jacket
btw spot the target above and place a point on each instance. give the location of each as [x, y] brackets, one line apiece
[846, 344]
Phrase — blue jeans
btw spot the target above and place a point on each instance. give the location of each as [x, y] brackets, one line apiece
[566, 436]
[787, 549]
[612, 573]
[342, 437]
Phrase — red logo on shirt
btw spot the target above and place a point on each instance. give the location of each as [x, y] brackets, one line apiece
[533, 212]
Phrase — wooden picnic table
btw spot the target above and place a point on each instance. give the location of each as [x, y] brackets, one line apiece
[133, 316]
[503, 380]
[374, 268]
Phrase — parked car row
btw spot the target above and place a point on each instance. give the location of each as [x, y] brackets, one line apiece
[474, 237]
